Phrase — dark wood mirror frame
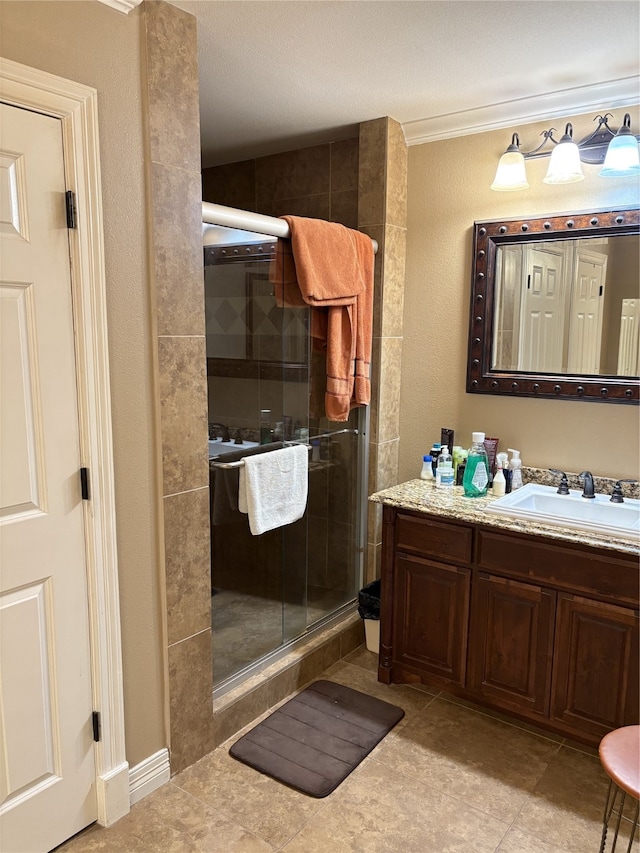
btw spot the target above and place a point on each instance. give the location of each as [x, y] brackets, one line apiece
[488, 236]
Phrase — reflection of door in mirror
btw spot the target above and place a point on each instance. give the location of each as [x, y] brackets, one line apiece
[587, 301]
[568, 307]
[629, 346]
[543, 308]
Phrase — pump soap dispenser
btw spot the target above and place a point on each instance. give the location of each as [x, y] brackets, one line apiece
[516, 465]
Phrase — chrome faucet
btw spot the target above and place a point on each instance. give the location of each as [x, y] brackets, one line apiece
[224, 431]
[588, 491]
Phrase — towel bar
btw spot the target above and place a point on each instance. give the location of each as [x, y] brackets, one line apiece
[240, 462]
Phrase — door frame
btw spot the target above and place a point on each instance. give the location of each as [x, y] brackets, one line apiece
[76, 106]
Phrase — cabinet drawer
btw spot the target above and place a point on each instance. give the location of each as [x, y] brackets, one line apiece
[571, 569]
[448, 542]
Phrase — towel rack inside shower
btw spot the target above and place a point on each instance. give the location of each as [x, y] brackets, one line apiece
[239, 463]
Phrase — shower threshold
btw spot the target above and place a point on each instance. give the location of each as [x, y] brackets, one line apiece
[315, 632]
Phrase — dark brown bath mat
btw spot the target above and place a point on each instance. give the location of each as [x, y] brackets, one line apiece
[317, 738]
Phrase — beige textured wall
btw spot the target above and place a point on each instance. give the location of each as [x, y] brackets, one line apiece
[92, 44]
[448, 189]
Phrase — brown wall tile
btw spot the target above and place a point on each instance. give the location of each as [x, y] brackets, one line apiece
[374, 523]
[351, 638]
[188, 564]
[314, 206]
[229, 720]
[293, 174]
[344, 208]
[396, 186]
[395, 244]
[233, 185]
[183, 402]
[177, 256]
[191, 710]
[172, 85]
[372, 172]
[344, 165]
[374, 562]
[389, 391]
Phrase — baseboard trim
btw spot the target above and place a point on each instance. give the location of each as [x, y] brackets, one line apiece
[149, 775]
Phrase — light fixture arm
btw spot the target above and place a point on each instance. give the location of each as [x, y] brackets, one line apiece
[593, 147]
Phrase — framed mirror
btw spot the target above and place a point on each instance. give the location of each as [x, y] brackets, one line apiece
[555, 307]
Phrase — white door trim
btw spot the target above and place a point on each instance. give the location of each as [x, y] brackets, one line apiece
[76, 106]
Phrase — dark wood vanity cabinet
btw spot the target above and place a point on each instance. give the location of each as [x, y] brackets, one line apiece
[537, 627]
[511, 653]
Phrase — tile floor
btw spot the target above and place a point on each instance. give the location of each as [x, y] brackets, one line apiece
[449, 778]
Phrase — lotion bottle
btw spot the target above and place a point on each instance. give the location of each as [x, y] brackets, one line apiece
[515, 465]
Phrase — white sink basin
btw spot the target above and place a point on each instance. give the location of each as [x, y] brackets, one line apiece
[218, 447]
[542, 503]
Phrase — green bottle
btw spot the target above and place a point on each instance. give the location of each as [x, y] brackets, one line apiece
[476, 473]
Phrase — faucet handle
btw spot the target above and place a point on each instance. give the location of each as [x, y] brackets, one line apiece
[617, 496]
[563, 488]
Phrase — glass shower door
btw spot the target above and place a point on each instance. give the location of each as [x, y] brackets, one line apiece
[264, 386]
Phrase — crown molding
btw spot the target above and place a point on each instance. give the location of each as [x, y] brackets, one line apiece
[550, 105]
[122, 5]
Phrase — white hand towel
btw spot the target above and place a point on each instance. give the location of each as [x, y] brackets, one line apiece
[273, 487]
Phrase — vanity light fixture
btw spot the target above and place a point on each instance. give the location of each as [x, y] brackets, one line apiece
[616, 150]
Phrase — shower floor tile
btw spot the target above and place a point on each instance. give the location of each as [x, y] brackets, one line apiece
[245, 628]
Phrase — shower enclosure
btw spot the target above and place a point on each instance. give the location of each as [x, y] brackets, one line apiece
[265, 390]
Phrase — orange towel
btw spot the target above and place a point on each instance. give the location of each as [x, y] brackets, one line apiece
[330, 268]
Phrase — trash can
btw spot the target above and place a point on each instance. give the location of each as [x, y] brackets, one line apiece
[369, 610]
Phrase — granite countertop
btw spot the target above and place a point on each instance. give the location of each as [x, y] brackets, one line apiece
[422, 496]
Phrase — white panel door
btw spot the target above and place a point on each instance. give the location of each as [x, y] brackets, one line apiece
[47, 774]
[587, 300]
[543, 310]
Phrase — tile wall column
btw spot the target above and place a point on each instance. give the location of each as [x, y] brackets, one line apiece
[175, 216]
[382, 213]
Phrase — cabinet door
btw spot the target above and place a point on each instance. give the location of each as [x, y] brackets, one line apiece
[595, 684]
[431, 615]
[511, 642]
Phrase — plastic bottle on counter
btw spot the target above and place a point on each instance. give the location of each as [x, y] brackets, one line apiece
[499, 481]
[265, 426]
[476, 472]
[427, 470]
[444, 470]
[460, 467]
[435, 452]
[516, 466]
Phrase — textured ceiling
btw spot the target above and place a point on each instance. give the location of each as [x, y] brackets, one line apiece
[277, 74]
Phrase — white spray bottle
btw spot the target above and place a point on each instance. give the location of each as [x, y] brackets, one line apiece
[499, 481]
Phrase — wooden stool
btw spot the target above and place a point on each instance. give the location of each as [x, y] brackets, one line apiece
[620, 757]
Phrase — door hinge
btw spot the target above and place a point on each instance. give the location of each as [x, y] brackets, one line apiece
[601, 290]
[528, 282]
[97, 726]
[70, 202]
[84, 483]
